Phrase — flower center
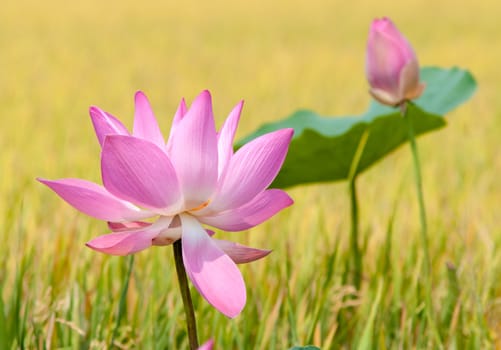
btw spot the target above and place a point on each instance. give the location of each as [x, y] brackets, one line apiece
[200, 207]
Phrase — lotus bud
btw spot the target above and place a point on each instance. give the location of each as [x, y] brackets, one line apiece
[392, 67]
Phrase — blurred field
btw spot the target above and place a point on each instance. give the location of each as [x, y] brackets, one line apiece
[57, 59]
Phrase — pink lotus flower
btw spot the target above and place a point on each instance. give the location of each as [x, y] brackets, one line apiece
[194, 178]
[392, 66]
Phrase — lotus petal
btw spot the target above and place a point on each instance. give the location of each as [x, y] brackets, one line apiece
[226, 137]
[145, 123]
[239, 253]
[194, 152]
[180, 112]
[138, 171]
[106, 124]
[94, 200]
[259, 209]
[251, 170]
[212, 272]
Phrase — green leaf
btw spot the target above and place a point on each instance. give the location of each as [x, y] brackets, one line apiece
[445, 89]
[323, 148]
[307, 347]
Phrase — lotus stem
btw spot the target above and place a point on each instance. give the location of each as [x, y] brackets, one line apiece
[191, 322]
[422, 216]
[354, 237]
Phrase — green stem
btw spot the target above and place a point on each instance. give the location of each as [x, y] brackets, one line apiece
[185, 294]
[123, 297]
[422, 217]
[354, 242]
[355, 247]
[419, 189]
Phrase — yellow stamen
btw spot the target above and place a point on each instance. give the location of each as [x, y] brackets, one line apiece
[201, 206]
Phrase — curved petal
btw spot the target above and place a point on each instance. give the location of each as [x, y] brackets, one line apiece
[122, 243]
[138, 171]
[384, 62]
[95, 200]
[259, 209]
[106, 124]
[145, 123]
[213, 273]
[225, 138]
[409, 85]
[251, 170]
[194, 151]
[127, 226]
[180, 112]
[384, 97]
[171, 234]
[128, 242]
[239, 253]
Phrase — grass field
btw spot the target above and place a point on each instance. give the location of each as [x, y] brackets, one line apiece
[57, 59]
